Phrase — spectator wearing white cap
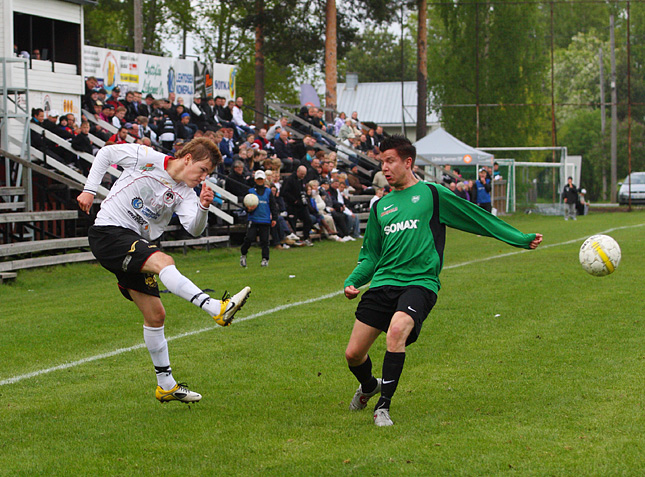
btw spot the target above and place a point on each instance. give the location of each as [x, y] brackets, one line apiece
[261, 218]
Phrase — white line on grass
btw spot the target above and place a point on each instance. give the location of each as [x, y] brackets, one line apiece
[119, 351]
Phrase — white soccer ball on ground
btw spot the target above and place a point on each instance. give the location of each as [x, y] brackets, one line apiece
[599, 255]
[251, 201]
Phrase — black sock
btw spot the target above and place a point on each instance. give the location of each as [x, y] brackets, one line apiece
[363, 373]
[392, 368]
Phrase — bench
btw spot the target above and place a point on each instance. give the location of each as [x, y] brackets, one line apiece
[20, 248]
[185, 243]
[4, 276]
[16, 217]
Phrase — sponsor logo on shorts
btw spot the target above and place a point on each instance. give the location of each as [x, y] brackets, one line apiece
[416, 198]
[400, 226]
[169, 197]
[151, 281]
[137, 203]
[127, 260]
[147, 167]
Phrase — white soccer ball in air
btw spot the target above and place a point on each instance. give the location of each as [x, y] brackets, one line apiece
[251, 201]
[599, 255]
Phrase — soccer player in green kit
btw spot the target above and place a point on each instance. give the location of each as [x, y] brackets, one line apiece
[402, 256]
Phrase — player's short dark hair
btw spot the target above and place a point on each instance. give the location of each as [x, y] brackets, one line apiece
[201, 149]
[401, 145]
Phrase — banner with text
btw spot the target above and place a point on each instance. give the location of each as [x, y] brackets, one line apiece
[157, 75]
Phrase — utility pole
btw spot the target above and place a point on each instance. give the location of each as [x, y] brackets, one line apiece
[422, 69]
[603, 120]
[138, 26]
[331, 72]
[614, 113]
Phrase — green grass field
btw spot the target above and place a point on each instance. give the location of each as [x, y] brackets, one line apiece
[526, 366]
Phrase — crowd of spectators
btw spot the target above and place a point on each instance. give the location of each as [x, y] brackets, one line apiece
[311, 187]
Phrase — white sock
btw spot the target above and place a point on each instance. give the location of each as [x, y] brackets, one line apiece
[184, 288]
[158, 347]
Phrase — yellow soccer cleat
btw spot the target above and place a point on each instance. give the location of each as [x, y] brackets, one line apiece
[231, 305]
[179, 393]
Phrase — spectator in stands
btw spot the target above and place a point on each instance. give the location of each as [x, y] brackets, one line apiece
[67, 131]
[90, 100]
[131, 111]
[114, 98]
[82, 141]
[120, 137]
[378, 193]
[236, 182]
[282, 235]
[225, 111]
[379, 180]
[283, 151]
[280, 124]
[363, 144]
[378, 134]
[326, 167]
[145, 108]
[146, 131]
[35, 55]
[326, 221]
[299, 148]
[356, 123]
[460, 191]
[346, 131]
[227, 146]
[250, 139]
[238, 116]
[355, 181]
[90, 84]
[334, 208]
[119, 117]
[38, 118]
[197, 114]
[178, 146]
[313, 169]
[372, 140]
[262, 141]
[339, 122]
[107, 113]
[134, 130]
[294, 193]
[185, 129]
[261, 219]
[337, 196]
[166, 131]
[102, 95]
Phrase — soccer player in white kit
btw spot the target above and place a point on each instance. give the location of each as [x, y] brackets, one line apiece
[140, 204]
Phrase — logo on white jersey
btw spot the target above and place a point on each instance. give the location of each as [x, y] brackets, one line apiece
[399, 226]
[168, 197]
[137, 203]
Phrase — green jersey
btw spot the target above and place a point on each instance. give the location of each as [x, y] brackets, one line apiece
[406, 232]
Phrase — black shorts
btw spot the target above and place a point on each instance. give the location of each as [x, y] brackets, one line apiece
[378, 305]
[123, 252]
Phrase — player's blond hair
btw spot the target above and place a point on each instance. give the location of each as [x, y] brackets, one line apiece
[201, 149]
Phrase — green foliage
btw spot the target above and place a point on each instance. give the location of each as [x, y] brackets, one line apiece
[537, 373]
[376, 56]
[511, 64]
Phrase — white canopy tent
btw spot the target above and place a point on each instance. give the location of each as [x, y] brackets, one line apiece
[441, 148]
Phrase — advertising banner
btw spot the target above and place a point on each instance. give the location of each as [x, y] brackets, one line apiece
[157, 75]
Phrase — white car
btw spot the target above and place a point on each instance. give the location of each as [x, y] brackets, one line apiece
[637, 189]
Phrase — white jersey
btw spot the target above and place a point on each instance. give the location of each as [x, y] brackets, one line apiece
[144, 197]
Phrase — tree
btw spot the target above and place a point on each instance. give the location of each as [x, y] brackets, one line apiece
[489, 54]
[376, 56]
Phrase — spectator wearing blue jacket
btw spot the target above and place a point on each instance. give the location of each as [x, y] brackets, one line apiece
[261, 219]
[483, 191]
